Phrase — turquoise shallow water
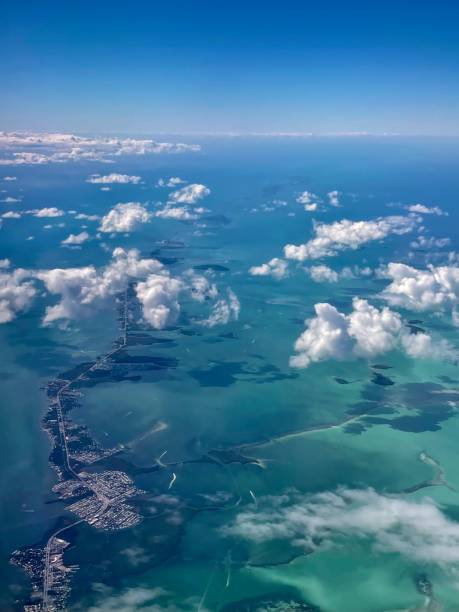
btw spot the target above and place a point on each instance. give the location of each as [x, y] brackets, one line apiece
[232, 387]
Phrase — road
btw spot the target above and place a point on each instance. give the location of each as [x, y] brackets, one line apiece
[105, 502]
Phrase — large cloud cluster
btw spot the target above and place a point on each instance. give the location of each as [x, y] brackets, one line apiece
[345, 234]
[83, 290]
[429, 289]
[417, 530]
[125, 217]
[365, 332]
[80, 289]
[61, 148]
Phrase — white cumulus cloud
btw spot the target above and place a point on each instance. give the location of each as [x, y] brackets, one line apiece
[180, 213]
[75, 239]
[16, 293]
[306, 197]
[429, 243]
[365, 332]
[122, 179]
[276, 267]
[224, 311]
[321, 274]
[189, 194]
[345, 234]
[10, 200]
[173, 181]
[81, 289]
[125, 217]
[51, 211]
[200, 287]
[324, 274]
[333, 197]
[426, 210]
[158, 295]
[85, 217]
[414, 289]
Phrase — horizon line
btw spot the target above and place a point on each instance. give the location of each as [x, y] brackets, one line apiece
[240, 134]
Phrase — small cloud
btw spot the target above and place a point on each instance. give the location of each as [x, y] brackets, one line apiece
[189, 194]
[51, 211]
[173, 181]
[11, 214]
[333, 197]
[121, 179]
[85, 217]
[75, 239]
[10, 200]
[426, 210]
[325, 274]
[276, 267]
[422, 242]
[180, 213]
[306, 197]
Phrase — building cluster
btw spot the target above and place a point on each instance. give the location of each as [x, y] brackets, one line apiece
[103, 504]
[50, 577]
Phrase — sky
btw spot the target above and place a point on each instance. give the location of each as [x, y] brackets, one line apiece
[217, 67]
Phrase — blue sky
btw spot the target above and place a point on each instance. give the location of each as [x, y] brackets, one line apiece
[219, 66]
